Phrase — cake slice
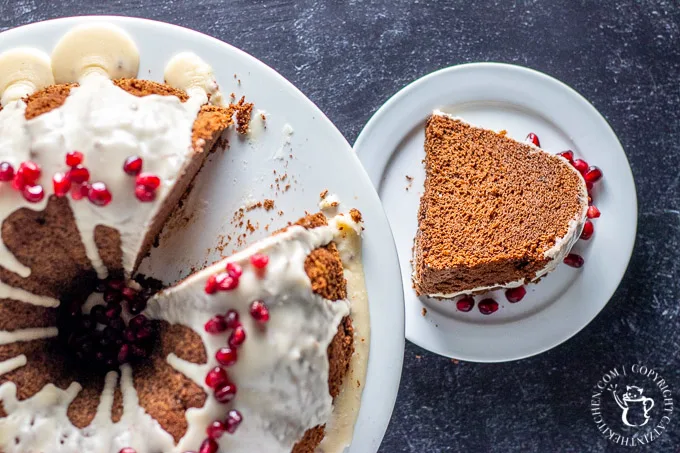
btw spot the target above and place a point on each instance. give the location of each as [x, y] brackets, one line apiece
[495, 213]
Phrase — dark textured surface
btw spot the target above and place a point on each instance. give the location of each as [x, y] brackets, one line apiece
[624, 56]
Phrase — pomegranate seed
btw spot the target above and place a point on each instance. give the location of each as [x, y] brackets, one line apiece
[18, 183]
[127, 450]
[588, 230]
[234, 418]
[30, 171]
[208, 446]
[123, 353]
[487, 306]
[259, 311]
[138, 351]
[225, 393]
[234, 270]
[216, 324]
[128, 294]
[133, 165]
[113, 310]
[580, 165]
[33, 194]
[144, 194]
[79, 191]
[232, 319]
[116, 284]
[237, 337]
[259, 260]
[593, 212]
[211, 285]
[6, 172]
[226, 356]
[74, 158]
[573, 260]
[129, 335]
[151, 182]
[78, 174]
[144, 333]
[533, 138]
[99, 194]
[112, 296]
[569, 155]
[61, 184]
[225, 282]
[138, 322]
[593, 174]
[514, 295]
[465, 304]
[216, 429]
[216, 378]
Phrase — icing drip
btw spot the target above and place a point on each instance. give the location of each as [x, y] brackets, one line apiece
[12, 364]
[37, 333]
[291, 369]
[10, 292]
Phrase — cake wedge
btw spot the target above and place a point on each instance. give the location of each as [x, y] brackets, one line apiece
[495, 213]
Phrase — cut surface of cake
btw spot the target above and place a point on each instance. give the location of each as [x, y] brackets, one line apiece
[249, 354]
[495, 212]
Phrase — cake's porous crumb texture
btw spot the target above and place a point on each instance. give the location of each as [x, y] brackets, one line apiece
[490, 210]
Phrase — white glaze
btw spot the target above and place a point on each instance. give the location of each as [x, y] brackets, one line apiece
[188, 72]
[12, 364]
[24, 70]
[34, 333]
[555, 254]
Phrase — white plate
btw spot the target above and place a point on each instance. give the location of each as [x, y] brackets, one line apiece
[322, 159]
[519, 100]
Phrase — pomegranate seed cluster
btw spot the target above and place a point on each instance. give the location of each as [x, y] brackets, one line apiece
[224, 390]
[591, 175]
[76, 180]
[102, 335]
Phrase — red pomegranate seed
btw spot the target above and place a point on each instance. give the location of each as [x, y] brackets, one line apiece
[588, 230]
[144, 194]
[208, 446]
[79, 191]
[569, 155]
[237, 337]
[259, 311]
[593, 174]
[573, 260]
[113, 310]
[234, 270]
[514, 295]
[123, 353]
[129, 335]
[112, 296]
[116, 284]
[487, 306]
[99, 194]
[533, 138]
[74, 158]
[225, 393]
[259, 260]
[593, 212]
[216, 324]
[138, 322]
[78, 174]
[211, 285]
[216, 429]
[127, 450]
[144, 333]
[216, 378]
[580, 165]
[234, 418]
[6, 172]
[225, 282]
[232, 319]
[33, 194]
[133, 165]
[151, 182]
[465, 304]
[30, 172]
[61, 184]
[128, 293]
[18, 183]
[138, 351]
[226, 356]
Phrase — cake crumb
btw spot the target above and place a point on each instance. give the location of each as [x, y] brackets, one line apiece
[355, 215]
[419, 357]
[323, 194]
[454, 361]
[410, 182]
[423, 311]
[268, 204]
[280, 213]
[358, 383]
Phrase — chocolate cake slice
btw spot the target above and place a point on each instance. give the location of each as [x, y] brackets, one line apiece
[495, 213]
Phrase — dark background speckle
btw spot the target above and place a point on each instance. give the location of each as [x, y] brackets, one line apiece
[624, 56]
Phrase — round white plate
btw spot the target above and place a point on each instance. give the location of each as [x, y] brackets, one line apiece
[519, 100]
[321, 159]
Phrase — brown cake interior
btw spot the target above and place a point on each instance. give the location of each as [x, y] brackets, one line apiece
[490, 210]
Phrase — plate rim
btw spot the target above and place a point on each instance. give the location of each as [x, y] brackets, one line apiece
[378, 416]
[362, 145]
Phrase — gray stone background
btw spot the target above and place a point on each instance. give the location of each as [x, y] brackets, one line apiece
[624, 56]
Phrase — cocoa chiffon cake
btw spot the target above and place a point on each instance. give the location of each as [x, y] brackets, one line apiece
[495, 212]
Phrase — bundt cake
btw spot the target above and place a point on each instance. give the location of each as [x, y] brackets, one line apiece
[246, 355]
[495, 212]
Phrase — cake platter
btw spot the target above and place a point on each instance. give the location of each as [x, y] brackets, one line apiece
[520, 101]
[278, 161]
